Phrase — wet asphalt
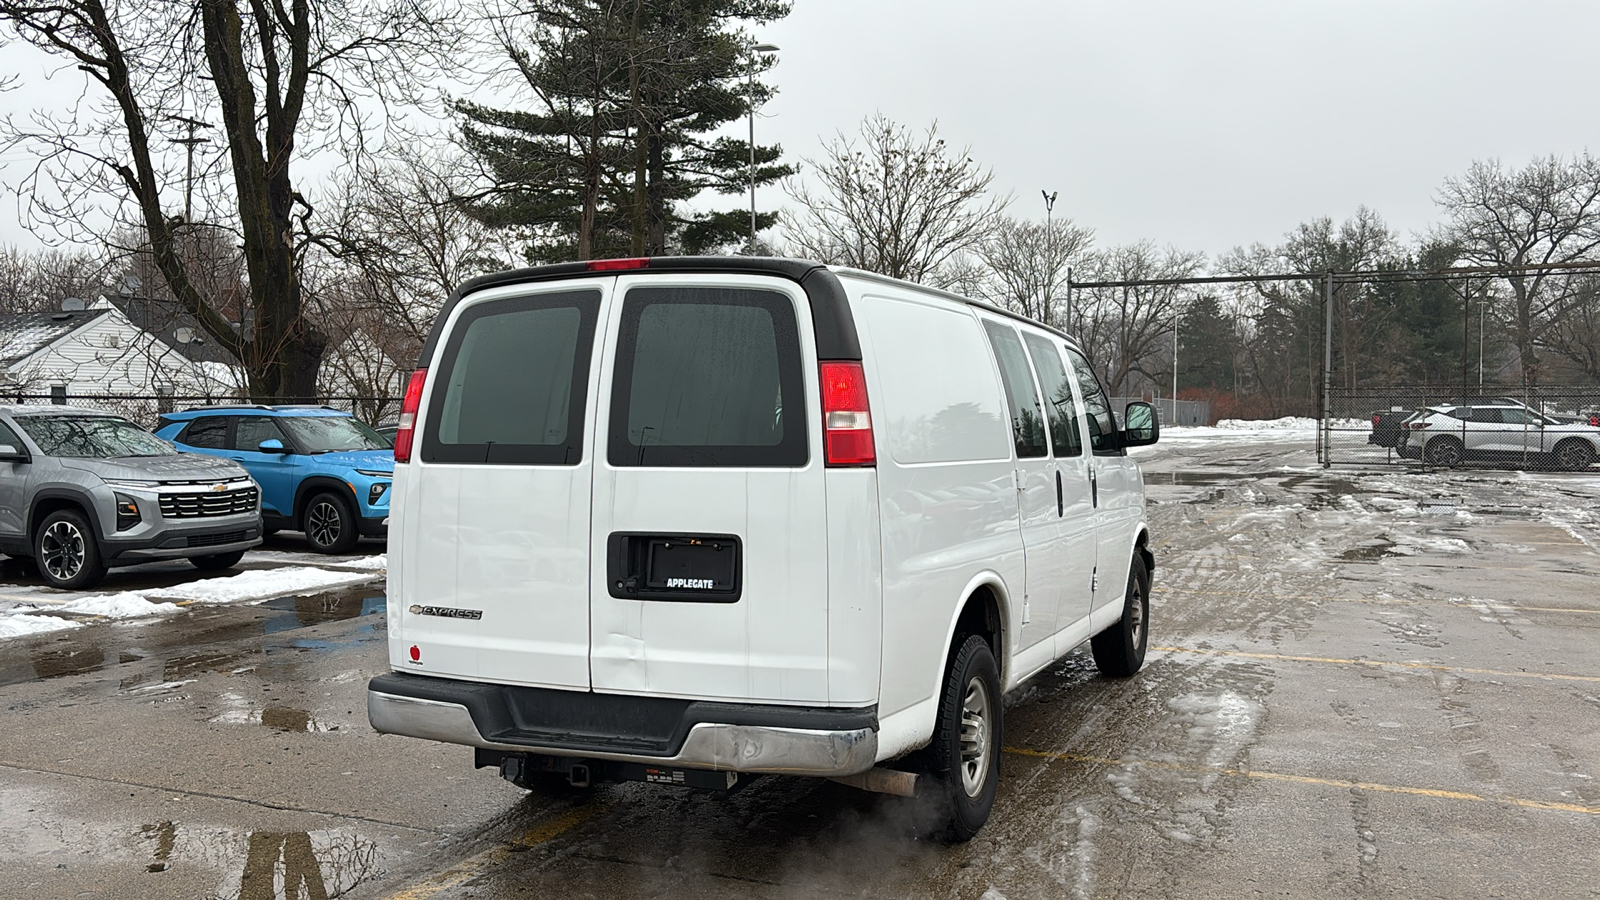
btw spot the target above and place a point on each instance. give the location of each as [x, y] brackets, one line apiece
[1362, 684]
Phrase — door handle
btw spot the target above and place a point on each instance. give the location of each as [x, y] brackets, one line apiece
[1094, 489]
[1060, 506]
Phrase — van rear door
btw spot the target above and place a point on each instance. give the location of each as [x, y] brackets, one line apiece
[710, 519]
[493, 576]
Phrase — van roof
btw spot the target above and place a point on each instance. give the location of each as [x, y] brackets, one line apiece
[830, 308]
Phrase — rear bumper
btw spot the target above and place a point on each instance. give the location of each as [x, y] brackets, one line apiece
[724, 737]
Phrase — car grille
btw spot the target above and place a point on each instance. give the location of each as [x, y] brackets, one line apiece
[212, 540]
[208, 503]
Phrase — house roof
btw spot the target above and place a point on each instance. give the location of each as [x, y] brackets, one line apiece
[163, 318]
[24, 334]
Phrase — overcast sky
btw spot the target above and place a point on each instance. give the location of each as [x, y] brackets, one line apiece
[1201, 124]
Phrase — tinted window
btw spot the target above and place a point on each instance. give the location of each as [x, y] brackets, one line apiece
[707, 377]
[1027, 422]
[250, 431]
[7, 436]
[1102, 426]
[512, 382]
[1060, 408]
[210, 432]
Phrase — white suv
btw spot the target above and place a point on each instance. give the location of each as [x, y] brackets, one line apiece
[1505, 432]
[692, 520]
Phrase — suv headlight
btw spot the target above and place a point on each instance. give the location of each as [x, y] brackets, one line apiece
[127, 511]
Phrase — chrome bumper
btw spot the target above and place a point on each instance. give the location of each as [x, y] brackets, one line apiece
[723, 748]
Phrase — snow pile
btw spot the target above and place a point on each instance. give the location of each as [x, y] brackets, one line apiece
[117, 606]
[20, 624]
[259, 584]
[369, 563]
[1297, 423]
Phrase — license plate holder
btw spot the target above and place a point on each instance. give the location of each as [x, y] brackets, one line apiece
[685, 567]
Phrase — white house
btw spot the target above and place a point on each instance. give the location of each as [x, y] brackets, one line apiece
[101, 350]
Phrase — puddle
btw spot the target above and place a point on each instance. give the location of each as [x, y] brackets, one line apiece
[180, 642]
[1380, 549]
[1199, 479]
[287, 864]
[1438, 506]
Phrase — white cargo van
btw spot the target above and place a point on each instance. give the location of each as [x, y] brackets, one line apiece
[691, 520]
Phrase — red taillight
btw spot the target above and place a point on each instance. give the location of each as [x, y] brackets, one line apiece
[1375, 418]
[846, 418]
[611, 265]
[1418, 426]
[408, 415]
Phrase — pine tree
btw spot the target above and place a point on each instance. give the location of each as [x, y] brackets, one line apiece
[627, 94]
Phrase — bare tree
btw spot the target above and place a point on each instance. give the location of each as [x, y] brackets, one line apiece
[1029, 262]
[893, 202]
[1548, 212]
[38, 281]
[402, 230]
[286, 78]
[1127, 330]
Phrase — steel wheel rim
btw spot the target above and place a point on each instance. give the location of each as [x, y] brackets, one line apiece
[1136, 611]
[62, 550]
[322, 524]
[975, 718]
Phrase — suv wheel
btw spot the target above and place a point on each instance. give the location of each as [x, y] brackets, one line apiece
[66, 552]
[1574, 454]
[1444, 452]
[329, 524]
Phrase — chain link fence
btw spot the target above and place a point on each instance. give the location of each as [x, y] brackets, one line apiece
[146, 409]
[1545, 428]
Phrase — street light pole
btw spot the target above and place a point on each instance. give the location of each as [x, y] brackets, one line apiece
[750, 87]
[1049, 250]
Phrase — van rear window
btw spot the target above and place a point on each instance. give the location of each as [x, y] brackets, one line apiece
[512, 382]
[707, 377]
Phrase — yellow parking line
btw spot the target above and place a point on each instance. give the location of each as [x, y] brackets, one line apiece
[1380, 664]
[478, 865]
[1306, 779]
[1500, 605]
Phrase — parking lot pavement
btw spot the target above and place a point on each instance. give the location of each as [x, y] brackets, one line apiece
[1363, 684]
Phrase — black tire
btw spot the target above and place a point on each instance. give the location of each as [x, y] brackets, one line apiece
[965, 766]
[329, 524]
[1574, 454]
[65, 550]
[1445, 452]
[217, 561]
[1119, 650]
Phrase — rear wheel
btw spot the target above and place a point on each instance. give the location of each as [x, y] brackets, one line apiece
[329, 524]
[217, 560]
[1445, 452]
[1574, 454]
[66, 552]
[1119, 650]
[966, 742]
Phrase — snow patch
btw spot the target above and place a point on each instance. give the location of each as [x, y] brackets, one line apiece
[20, 624]
[260, 584]
[117, 606]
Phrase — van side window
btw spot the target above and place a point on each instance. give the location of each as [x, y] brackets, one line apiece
[512, 382]
[1102, 425]
[1059, 407]
[1027, 422]
[707, 377]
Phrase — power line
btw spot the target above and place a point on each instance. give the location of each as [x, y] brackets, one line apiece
[1360, 275]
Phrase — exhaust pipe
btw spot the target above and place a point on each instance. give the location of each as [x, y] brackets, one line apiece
[882, 781]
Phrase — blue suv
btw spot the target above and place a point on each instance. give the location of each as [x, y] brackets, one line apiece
[321, 471]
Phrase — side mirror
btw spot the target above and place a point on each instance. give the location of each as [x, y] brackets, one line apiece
[10, 453]
[1141, 427]
[272, 445]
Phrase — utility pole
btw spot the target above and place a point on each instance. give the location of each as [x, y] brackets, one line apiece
[1049, 253]
[1324, 432]
[189, 144]
[750, 87]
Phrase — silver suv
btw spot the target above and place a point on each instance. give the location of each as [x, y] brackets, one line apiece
[81, 491]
